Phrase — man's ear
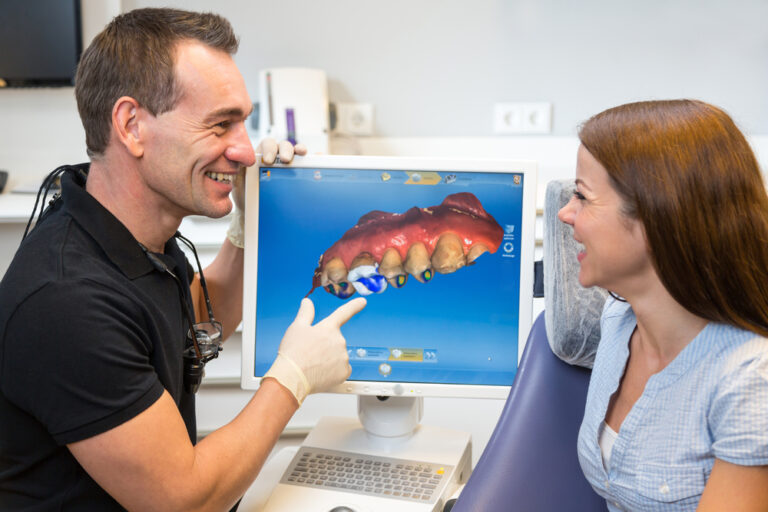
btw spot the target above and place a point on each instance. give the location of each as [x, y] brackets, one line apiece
[126, 126]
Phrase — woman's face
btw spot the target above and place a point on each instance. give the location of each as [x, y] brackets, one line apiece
[615, 255]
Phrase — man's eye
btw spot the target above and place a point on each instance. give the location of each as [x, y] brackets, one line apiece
[224, 125]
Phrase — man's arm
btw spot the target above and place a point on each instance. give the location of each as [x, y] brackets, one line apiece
[148, 462]
[224, 279]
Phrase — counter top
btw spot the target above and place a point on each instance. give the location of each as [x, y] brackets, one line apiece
[16, 208]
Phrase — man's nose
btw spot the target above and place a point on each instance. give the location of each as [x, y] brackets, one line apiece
[241, 149]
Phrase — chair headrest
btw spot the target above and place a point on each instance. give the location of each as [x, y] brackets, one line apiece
[572, 312]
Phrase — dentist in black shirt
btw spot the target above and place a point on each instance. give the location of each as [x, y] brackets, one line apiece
[96, 307]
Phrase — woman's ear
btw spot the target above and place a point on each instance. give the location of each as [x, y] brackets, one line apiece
[126, 125]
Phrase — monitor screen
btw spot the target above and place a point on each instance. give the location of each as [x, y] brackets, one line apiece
[442, 249]
[41, 42]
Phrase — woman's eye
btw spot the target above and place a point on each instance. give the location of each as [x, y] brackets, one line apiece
[578, 195]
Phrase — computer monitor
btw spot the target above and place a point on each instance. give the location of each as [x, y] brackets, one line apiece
[443, 250]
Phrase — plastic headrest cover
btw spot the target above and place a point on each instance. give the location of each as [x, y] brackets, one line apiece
[572, 312]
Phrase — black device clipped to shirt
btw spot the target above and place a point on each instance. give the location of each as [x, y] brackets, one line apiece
[204, 337]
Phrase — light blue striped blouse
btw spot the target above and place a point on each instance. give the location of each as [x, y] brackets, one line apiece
[710, 402]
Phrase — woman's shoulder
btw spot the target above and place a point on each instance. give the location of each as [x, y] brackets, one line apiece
[738, 348]
[736, 413]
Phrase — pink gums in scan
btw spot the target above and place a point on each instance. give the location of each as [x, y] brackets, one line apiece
[385, 247]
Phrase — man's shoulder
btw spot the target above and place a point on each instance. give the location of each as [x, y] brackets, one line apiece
[54, 262]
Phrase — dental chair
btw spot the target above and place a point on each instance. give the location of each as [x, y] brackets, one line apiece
[530, 463]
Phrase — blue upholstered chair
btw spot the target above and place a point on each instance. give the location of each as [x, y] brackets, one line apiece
[530, 463]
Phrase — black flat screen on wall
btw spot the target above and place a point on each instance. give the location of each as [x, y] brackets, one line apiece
[40, 42]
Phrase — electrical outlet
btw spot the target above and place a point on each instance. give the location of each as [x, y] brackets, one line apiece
[354, 118]
[516, 118]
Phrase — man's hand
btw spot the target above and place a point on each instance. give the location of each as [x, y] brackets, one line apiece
[269, 149]
[313, 358]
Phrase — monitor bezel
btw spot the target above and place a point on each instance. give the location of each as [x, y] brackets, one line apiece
[527, 168]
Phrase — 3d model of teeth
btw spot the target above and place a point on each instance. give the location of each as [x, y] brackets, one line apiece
[383, 248]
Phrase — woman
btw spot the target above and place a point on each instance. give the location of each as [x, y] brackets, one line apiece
[673, 215]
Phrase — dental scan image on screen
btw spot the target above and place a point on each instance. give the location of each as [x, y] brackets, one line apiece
[437, 254]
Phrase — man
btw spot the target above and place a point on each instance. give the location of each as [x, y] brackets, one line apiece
[93, 409]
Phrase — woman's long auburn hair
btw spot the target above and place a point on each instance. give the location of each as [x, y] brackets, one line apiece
[688, 174]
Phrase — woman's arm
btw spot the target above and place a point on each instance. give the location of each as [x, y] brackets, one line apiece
[735, 488]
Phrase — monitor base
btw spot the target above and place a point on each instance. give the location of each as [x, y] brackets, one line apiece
[390, 416]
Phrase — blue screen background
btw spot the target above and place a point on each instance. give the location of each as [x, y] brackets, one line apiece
[466, 320]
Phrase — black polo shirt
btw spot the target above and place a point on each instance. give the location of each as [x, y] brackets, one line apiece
[90, 336]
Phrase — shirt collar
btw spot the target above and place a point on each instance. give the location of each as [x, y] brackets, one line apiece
[107, 231]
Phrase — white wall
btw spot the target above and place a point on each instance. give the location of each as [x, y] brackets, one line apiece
[40, 128]
[434, 68]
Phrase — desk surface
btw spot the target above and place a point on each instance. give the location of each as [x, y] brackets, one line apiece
[16, 208]
[258, 493]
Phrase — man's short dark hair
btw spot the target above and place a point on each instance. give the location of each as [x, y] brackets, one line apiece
[134, 56]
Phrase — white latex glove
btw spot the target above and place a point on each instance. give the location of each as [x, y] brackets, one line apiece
[269, 149]
[313, 358]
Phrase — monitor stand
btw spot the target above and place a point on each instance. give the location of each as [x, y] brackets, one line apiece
[387, 433]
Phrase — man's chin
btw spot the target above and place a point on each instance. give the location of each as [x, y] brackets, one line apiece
[217, 211]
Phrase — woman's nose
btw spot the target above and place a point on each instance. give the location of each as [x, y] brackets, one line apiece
[566, 212]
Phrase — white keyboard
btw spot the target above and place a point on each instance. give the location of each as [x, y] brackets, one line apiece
[367, 475]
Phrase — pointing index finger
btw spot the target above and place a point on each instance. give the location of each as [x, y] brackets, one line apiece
[346, 311]
[306, 312]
